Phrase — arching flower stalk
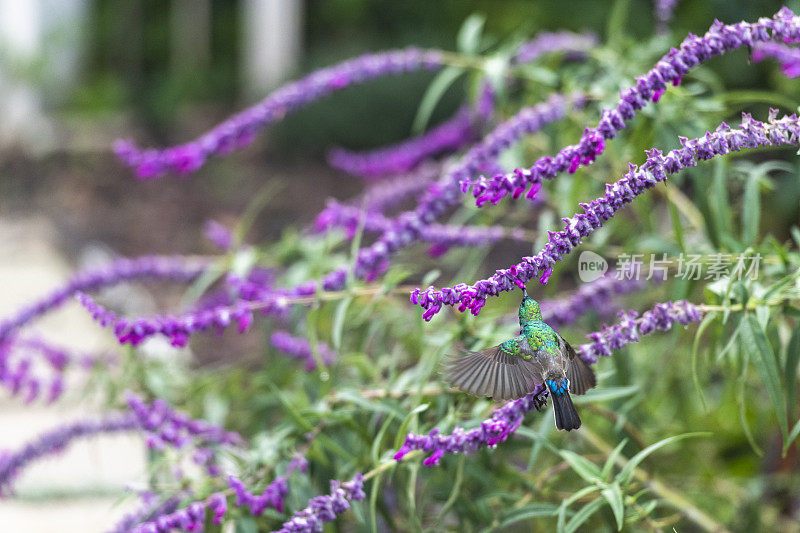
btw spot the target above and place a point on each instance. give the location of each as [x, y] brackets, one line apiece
[240, 130]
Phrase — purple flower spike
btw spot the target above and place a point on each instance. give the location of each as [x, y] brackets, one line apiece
[326, 508]
[300, 348]
[176, 269]
[595, 296]
[657, 167]
[404, 157]
[55, 441]
[190, 518]
[505, 420]
[787, 56]
[239, 130]
[574, 44]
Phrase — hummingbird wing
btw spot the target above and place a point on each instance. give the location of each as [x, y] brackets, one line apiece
[580, 375]
[502, 371]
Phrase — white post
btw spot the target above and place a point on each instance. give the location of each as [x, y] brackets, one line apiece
[272, 40]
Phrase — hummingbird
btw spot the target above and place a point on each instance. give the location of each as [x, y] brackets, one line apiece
[517, 366]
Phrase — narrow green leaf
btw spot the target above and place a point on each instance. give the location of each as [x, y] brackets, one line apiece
[607, 394]
[562, 509]
[531, 510]
[454, 492]
[582, 516]
[708, 319]
[582, 466]
[401, 433]
[338, 322]
[469, 35]
[373, 502]
[742, 403]
[626, 474]
[731, 342]
[617, 21]
[755, 341]
[612, 458]
[613, 495]
[376, 443]
[792, 435]
[790, 370]
[446, 77]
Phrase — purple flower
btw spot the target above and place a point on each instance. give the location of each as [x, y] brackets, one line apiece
[177, 269]
[787, 56]
[505, 420]
[563, 41]
[190, 518]
[671, 68]
[177, 329]
[17, 369]
[150, 510]
[388, 193]
[636, 181]
[164, 425]
[664, 11]
[239, 130]
[273, 495]
[300, 348]
[326, 508]
[218, 235]
[444, 236]
[449, 136]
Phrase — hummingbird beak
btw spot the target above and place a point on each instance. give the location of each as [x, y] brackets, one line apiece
[524, 292]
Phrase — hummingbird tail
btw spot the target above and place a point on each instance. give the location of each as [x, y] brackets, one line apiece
[566, 416]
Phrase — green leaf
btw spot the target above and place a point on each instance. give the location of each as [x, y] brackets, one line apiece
[562, 510]
[584, 468]
[790, 369]
[338, 322]
[531, 510]
[708, 319]
[604, 395]
[612, 458]
[469, 35]
[626, 474]
[792, 435]
[401, 433]
[754, 340]
[430, 277]
[582, 516]
[613, 495]
[446, 77]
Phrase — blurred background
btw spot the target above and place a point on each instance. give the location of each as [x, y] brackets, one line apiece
[77, 74]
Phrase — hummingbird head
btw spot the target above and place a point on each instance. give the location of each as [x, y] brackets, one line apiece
[529, 310]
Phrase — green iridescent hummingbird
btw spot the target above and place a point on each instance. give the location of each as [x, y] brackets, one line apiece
[517, 366]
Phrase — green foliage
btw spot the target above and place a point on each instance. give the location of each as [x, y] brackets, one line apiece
[732, 380]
